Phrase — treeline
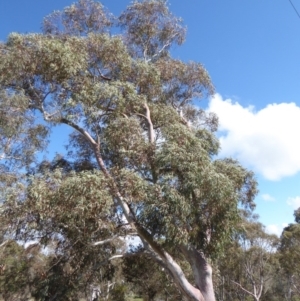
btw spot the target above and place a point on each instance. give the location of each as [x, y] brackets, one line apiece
[254, 266]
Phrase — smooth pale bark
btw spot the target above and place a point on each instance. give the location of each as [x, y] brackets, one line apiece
[188, 290]
[202, 272]
[256, 292]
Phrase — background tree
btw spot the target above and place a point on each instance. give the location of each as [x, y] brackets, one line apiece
[256, 261]
[252, 270]
[149, 149]
[289, 257]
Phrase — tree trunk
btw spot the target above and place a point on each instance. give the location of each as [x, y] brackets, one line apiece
[202, 273]
[203, 289]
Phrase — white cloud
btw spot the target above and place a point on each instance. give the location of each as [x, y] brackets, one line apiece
[267, 197]
[267, 140]
[294, 202]
[275, 229]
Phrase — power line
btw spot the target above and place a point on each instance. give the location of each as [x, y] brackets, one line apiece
[295, 9]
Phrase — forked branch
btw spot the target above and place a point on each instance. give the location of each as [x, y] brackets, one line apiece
[147, 116]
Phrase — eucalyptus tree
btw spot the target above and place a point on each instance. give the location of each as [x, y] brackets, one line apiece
[289, 256]
[142, 149]
[252, 271]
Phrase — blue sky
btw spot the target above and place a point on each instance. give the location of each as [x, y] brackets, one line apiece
[252, 51]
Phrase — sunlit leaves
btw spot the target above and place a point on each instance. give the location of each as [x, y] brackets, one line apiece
[150, 29]
[68, 204]
[103, 85]
[80, 18]
[19, 137]
[183, 82]
[141, 157]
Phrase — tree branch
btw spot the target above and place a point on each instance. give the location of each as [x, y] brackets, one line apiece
[101, 74]
[242, 288]
[126, 255]
[151, 134]
[186, 288]
[161, 50]
[4, 243]
[79, 129]
[102, 242]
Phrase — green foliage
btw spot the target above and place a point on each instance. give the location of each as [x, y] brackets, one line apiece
[141, 157]
[149, 279]
[14, 265]
[118, 293]
[151, 39]
[82, 17]
[289, 256]
[253, 269]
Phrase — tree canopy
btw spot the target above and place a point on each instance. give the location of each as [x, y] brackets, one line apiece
[141, 157]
